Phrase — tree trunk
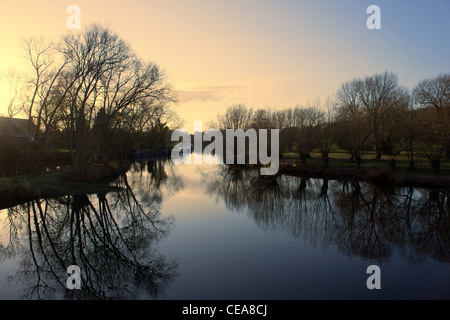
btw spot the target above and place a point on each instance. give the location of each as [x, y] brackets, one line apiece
[379, 153]
[411, 157]
[324, 188]
[302, 185]
[358, 161]
[352, 158]
[304, 158]
[356, 187]
[326, 160]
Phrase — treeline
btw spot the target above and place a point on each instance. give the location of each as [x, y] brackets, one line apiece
[374, 113]
[90, 93]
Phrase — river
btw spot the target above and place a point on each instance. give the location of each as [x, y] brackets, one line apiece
[217, 232]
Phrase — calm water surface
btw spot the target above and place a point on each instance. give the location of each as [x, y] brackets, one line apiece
[212, 232]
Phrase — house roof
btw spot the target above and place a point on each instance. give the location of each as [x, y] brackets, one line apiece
[16, 128]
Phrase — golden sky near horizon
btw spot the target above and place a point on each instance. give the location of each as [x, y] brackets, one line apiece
[218, 53]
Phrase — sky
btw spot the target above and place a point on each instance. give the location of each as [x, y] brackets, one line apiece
[260, 53]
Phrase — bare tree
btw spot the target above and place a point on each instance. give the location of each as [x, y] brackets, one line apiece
[325, 131]
[47, 92]
[307, 121]
[16, 101]
[376, 93]
[374, 102]
[235, 117]
[409, 131]
[435, 93]
[429, 138]
[37, 51]
[352, 132]
[288, 132]
[110, 78]
[263, 119]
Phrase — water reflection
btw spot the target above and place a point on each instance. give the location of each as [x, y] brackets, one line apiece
[115, 238]
[154, 179]
[359, 218]
[112, 238]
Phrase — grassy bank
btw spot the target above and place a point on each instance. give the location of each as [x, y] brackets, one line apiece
[341, 160]
[371, 170]
[19, 189]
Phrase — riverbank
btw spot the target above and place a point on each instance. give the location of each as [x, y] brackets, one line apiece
[417, 179]
[19, 189]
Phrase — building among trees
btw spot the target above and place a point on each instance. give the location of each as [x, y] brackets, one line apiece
[16, 131]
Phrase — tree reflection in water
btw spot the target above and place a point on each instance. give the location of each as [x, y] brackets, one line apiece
[359, 218]
[112, 238]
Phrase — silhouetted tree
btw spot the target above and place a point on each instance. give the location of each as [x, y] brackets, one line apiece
[435, 93]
